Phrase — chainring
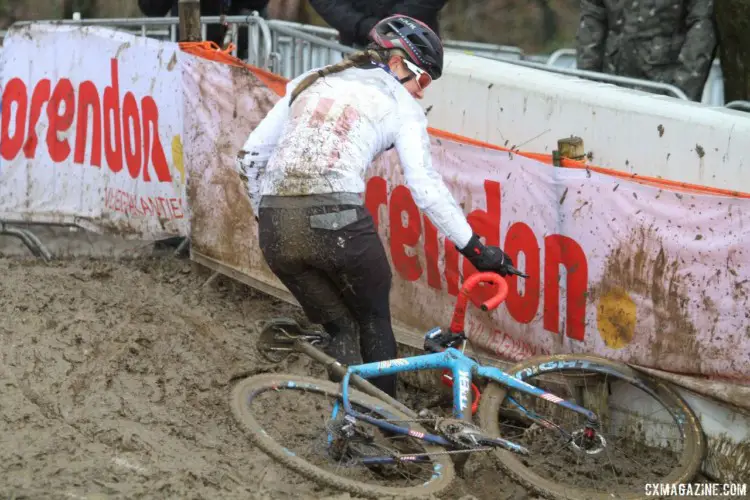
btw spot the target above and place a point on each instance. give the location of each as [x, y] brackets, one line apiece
[462, 434]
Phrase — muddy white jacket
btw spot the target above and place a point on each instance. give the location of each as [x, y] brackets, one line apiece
[326, 140]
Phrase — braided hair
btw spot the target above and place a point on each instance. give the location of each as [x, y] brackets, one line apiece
[357, 59]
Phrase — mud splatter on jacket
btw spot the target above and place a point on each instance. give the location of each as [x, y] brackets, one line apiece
[327, 139]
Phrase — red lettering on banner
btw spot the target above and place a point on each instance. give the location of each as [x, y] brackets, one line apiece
[563, 250]
[431, 252]
[406, 228]
[128, 132]
[14, 94]
[405, 234]
[38, 98]
[376, 194]
[88, 100]
[113, 145]
[520, 239]
[131, 204]
[60, 121]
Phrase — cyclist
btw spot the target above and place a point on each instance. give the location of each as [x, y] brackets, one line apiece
[304, 166]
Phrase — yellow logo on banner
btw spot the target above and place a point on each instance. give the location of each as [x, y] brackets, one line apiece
[177, 157]
[616, 315]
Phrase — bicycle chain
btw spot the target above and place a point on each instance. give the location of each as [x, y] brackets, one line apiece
[447, 452]
[451, 452]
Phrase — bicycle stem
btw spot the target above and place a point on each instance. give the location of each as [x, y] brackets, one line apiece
[339, 371]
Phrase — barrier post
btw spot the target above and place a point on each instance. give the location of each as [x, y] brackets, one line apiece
[190, 20]
[571, 148]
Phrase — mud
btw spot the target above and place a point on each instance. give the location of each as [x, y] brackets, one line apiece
[115, 380]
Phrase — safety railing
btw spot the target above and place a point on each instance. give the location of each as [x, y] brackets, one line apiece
[290, 49]
[306, 45]
[739, 105]
[298, 48]
[28, 238]
[563, 58]
[621, 81]
[165, 28]
[713, 92]
[488, 50]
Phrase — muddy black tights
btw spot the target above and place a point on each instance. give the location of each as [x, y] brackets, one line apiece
[368, 341]
[333, 262]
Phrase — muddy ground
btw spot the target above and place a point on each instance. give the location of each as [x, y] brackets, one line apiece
[114, 383]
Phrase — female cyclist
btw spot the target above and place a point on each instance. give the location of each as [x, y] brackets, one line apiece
[305, 165]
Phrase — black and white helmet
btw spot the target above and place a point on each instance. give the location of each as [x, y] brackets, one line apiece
[421, 44]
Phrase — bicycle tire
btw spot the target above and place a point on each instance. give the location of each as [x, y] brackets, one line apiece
[495, 393]
[244, 391]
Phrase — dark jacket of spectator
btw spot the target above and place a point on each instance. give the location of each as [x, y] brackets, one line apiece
[355, 18]
[669, 41]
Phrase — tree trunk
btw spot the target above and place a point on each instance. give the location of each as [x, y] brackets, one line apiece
[733, 29]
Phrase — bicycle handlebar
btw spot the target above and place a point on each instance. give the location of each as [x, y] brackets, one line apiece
[459, 313]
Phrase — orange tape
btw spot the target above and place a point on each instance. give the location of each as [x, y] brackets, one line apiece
[209, 50]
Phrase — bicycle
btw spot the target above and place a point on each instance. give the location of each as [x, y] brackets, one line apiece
[375, 440]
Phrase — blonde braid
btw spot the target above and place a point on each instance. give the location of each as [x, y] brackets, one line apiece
[359, 58]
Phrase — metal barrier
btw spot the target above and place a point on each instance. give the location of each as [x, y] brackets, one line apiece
[563, 58]
[28, 238]
[622, 81]
[306, 48]
[713, 92]
[488, 50]
[259, 35]
[290, 49]
[296, 51]
[739, 105]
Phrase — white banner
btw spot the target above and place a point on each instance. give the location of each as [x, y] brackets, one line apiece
[91, 131]
[625, 270]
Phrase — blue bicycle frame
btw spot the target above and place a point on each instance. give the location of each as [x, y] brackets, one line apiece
[464, 369]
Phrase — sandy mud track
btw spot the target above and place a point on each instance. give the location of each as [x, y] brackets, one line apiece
[114, 383]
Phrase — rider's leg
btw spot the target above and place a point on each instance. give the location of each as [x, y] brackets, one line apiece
[364, 275]
[290, 252]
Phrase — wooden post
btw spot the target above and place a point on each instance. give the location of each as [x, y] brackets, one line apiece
[190, 20]
[571, 148]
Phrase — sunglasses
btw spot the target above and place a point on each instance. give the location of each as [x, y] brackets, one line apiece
[423, 78]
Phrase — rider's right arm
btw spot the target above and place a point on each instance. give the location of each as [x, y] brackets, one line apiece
[426, 185]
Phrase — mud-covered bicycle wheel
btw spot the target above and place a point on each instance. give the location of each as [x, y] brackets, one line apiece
[291, 419]
[648, 433]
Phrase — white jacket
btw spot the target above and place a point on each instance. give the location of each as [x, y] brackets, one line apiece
[332, 132]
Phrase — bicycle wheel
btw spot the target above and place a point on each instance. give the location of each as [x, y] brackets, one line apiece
[624, 460]
[303, 407]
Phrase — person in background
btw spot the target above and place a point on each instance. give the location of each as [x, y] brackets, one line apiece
[354, 19]
[214, 32]
[668, 41]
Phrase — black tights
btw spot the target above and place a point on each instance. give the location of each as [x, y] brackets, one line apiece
[339, 275]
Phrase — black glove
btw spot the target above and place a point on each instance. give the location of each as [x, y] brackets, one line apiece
[486, 258]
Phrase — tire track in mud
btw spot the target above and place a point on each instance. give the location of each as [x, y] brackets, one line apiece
[114, 383]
